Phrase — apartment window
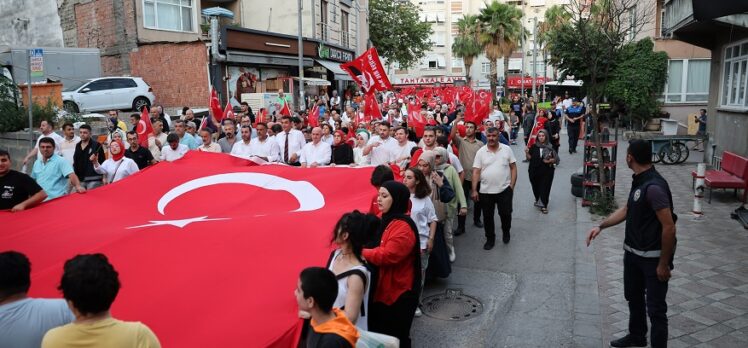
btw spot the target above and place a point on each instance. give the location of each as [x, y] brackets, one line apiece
[735, 76]
[323, 19]
[434, 61]
[439, 39]
[687, 81]
[457, 63]
[176, 15]
[633, 23]
[485, 68]
[344, 34]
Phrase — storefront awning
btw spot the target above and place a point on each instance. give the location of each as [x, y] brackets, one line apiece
[334, 67]
[313, 81]
[265, 59]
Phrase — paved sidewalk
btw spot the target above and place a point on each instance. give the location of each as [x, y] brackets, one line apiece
[708, 295]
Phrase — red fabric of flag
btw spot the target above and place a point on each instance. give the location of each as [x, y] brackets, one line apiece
[368, 72]
[372, 111]
[228, 111]
[539, 124]
[215, 105]
[415, 120]
[219, 225]
[144, 128]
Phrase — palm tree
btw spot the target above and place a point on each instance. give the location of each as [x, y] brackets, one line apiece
[466, 44]
[500, 33]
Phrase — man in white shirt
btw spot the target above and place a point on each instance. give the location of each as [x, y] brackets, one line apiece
[207, 142]
[263, 147]
[47, 128]
[157, 141]
[69, 142]
[404, 146]
[242, 147]
[174, 150]
[495, 167]
[316, 153]
[335, 101]
[382, 147]
[428, 141]
[290, 141]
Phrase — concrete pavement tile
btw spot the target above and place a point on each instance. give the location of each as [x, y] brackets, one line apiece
[741, 335]
[720, 295]
[728, 341]
[706, 274]
[726, 280]
[727, 308]
[695, 288]
[698, 318]
[689, 340]
[711, 333]
[621, 325]
[676, 343]
[711, 284]
[685, 324]
[674, 332]
[587, 342]
[692, 304]
[737, 323]
[587, 329]
[740, 302]
[714, 313]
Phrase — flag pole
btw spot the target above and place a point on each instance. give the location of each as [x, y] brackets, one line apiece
[301, 62]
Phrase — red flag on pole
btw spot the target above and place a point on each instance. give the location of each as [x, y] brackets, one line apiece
[415, 120]
[368, 72]
[313, 117]
[372, 110]
[539, 124]
[228, 111]
[285, 110]
[215, 105]
[144, 127]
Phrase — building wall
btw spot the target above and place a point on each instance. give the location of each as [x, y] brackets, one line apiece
[281, 16]
[728, 129]
[30, 23]
[177, 72]
[110, 26]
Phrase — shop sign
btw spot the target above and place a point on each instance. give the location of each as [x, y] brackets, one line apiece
[517, 82]
[332, 53]
[429, 80]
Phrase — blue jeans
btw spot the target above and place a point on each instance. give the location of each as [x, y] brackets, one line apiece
[646, 295]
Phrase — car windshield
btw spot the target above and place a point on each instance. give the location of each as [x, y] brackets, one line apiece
[75, 85]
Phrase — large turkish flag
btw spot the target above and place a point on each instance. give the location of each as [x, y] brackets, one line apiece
[208, 248]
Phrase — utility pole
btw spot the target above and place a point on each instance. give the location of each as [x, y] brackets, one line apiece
[534, 54]
[30, 104]
[301, 62]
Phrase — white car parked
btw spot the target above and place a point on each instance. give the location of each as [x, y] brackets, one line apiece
[108, 93]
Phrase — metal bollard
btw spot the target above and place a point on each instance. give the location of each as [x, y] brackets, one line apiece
[698, 193]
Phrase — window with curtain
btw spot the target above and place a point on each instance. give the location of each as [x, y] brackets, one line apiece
[687, 81]
[734, 76]
[176, 15]
[485, 68]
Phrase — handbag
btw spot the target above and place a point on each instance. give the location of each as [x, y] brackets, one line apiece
[439, 206]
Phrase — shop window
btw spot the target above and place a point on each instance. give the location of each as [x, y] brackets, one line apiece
[175, 15]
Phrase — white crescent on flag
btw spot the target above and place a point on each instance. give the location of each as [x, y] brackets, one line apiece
[141, 128]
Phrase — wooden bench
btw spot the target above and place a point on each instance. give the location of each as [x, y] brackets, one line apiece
[731, 174]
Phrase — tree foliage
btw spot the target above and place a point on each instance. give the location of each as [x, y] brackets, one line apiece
[397, 32]
[637, 79]
[500, 33]
[466, 44]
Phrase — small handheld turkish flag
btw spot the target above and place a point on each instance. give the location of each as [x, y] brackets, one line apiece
[228, 111]
[144, 127]
[215, 105]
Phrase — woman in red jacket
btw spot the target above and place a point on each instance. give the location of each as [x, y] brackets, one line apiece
[399, 262]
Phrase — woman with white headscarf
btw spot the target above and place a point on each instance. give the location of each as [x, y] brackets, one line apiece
[359, 159]
[450, 173]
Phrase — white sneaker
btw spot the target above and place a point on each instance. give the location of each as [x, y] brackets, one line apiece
[418, 312]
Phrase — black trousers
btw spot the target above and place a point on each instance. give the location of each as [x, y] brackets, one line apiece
[468, 188]
[646, 295]
[573, 137]
[541, 179]
[489, 202]
[396, 319]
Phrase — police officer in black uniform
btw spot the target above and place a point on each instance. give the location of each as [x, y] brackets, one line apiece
[649, 248]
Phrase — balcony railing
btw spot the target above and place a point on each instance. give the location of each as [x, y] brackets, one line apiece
[344, 39]
[676, 11]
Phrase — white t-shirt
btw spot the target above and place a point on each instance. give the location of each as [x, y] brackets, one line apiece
[117, 170]
[156, 150]
[383, 153]
[213, 147]
[566, 103]
[455, 161]
[320, 153]
[67, 148]
[169, 155]
[422, 212]
[495, 174]
[404, 151]
[242, 149]
[362, 322]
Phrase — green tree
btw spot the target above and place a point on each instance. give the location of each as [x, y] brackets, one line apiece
[637, 79]
[500, 34]
[397, 32]
[466, 44]
[554, 18]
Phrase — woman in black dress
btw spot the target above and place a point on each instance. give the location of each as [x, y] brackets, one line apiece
[342, 152]
[542, 159]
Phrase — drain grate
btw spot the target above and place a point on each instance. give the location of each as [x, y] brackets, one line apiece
[452, 305]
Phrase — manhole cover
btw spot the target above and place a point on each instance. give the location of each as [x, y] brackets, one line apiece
[452, 305]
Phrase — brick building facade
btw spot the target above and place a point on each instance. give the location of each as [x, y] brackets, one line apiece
[173, 62]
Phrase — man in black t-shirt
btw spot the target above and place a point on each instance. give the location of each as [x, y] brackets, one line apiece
[18, 191]
[142, 157]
